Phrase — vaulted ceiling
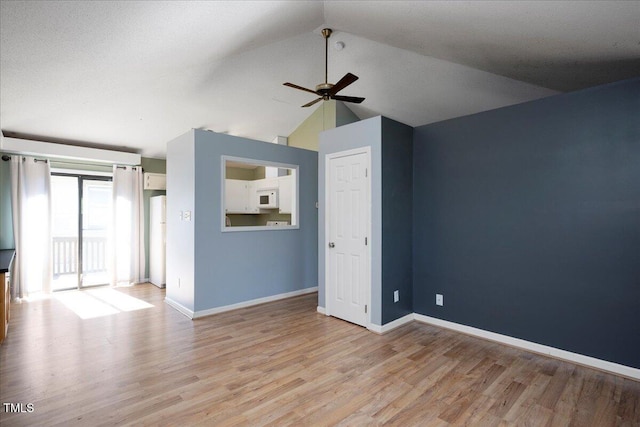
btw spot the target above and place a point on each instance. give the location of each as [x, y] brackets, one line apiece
[135, 74]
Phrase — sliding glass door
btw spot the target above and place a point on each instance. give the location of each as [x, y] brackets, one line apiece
[65, 198]
[80, 226]
[96, 219]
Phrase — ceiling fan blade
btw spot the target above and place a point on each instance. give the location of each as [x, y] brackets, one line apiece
[309, 104]
[344, 82]
[353, 99]
[299, 87]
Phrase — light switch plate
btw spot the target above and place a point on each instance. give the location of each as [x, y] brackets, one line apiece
[439, 299]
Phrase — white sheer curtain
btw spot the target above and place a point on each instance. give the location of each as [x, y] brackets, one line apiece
[127, 231]
[31, 211]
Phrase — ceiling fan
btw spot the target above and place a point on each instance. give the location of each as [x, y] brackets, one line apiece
[326, 90]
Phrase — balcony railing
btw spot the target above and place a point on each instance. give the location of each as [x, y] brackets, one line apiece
[65, 255]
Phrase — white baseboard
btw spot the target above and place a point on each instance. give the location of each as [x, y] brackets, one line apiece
[391, 325]
[243, 304]
[580, 359]
[148, 280]
[181, 308]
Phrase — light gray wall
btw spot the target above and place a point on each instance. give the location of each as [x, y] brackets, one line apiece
[365, 133]
[344, 115]
[233, 267]
[180, 234]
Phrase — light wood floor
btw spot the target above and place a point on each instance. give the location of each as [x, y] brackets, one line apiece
[282, 363]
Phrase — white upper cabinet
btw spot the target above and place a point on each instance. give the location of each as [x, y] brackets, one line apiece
[240, 197]
[266, 183]
[236, 196]
[285, 190]
[252, 203]
[155, 181]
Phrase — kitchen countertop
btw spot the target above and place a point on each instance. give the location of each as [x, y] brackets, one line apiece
[6, 255]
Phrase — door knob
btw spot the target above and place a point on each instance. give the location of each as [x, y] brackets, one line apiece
[332, 245]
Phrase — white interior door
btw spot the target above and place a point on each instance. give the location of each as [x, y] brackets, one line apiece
[347, 252]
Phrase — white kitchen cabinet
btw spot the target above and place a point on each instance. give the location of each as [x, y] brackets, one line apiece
[266, 183]
[285, 194]
[154, 181]
[240, 197]
[236, 196]
[252, 201]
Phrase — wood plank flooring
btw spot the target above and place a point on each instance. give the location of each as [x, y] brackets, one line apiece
[282, 364]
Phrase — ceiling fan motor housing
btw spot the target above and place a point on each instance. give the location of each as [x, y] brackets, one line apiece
[324, 90]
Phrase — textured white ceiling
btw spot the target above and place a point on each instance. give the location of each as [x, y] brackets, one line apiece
[562, 45]
[137, 74]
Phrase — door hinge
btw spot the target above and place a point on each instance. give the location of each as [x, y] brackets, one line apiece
[365, 309]
[365, 241]
[366, 172]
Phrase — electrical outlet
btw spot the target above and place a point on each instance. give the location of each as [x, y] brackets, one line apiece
[439, 299]
[396, 296]
[187, 215]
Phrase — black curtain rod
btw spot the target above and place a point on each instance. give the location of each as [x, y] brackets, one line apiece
[7, 158]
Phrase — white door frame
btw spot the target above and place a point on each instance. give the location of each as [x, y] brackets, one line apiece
[327, 178]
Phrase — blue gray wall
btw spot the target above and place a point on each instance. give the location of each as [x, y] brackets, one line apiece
[397, 219]
[527, 219]
[234, 267]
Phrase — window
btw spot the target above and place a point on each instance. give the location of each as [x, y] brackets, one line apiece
[258, 195]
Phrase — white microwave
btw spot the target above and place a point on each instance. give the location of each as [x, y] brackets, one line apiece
[267, 199]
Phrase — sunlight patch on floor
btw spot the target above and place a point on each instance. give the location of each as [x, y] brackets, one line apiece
[92, 303]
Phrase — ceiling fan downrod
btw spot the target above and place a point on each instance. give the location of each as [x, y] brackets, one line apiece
[326, 33]
[323, 88]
